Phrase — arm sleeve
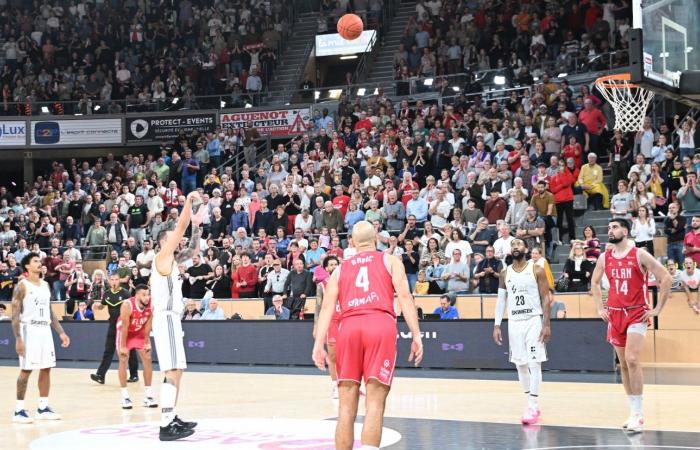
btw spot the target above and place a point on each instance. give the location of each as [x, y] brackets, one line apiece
[500, 306]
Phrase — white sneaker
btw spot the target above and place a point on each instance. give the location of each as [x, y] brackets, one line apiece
[334, 392]
[149, 402]
[47, 414]
[22, 417]
[126, 403]
[627, 422]
[635, 424]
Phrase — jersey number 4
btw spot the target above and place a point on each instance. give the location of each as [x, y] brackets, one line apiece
[621, 287]
[362, 280]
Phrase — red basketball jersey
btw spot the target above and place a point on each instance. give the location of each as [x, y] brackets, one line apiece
[138, 317]
[365, 285]
[628, 282]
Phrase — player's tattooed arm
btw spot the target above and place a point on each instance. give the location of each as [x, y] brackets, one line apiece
[192, 246]
[17, 308]
[55, 324]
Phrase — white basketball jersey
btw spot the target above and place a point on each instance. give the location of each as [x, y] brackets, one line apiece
[166, 291]
[523, 293]
[36, 306]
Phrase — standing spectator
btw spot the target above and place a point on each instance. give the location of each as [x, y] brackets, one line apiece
[692, 240]
[591, 244]
[410, 261]
[77, 287]
[245, 278]
[116, 232]
[619, 157]
[196, 276]
[644, 229]
[531, 230]
[456, 274]
[495, 208]
[138, 220]
[689, 196]
[487, 273]
[686, 136]
[251, 135]
[214, 149]
[621, 203]
[276, 281]
[574, 128]
[561, 185]
[298, 286]
[395, 213]
[594, 121]
[674, 229]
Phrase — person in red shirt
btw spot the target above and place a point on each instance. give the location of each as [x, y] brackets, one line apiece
[133, 332]
[366, 341]
[514, 156]
[595, 121]
[561, 186]
[341, 201]
[573, 150]
[495, 208]
[363, 124]
[627, 312]
[247, 279]
[692, 240]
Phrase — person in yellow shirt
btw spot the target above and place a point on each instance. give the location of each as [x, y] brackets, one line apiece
[591, 181]
[422, 284]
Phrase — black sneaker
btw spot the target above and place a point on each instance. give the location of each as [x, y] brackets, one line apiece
[183, 424]
[97, 378]
[174, 432]
[133, 380]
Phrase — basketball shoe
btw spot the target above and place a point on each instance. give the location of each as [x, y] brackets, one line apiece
[47, 414]
[174, 431]
[149, 402]
[531, 416]
[127, 404]
[635, 424]
[22, 417]
[182, 423]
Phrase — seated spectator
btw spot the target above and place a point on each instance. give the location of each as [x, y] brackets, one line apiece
[191, 311]
[3, 312]
[446, 311]
[558, 310]
[690, 281]
[536, 255]
[213, 311]
[422, 286]
[591, 181]
[277, 309]
[577, 269]
[433, 273]
[83, 313]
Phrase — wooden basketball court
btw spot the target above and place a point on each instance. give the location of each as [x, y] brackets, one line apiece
[575, 414]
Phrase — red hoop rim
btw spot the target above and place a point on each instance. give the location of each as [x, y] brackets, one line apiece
[623, 77]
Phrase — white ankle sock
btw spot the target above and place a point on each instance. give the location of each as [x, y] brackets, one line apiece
[43, 402]
[125, 393]
[19, 406]
[148, 391]
[636, 404]
[168, 393]
[533, 401]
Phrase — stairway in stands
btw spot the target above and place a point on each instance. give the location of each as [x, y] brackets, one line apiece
[290, 68]
[383, 67]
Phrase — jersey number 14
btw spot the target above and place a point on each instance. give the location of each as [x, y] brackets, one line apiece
[621, 286]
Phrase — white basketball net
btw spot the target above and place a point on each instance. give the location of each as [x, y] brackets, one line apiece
[630, 103]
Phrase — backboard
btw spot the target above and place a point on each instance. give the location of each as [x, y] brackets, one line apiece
[665, 47]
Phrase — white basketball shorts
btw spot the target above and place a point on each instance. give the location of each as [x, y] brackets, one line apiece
[524, 341]
[167, 334]
[39, 352]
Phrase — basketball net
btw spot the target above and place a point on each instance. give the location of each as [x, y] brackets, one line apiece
[629, 101]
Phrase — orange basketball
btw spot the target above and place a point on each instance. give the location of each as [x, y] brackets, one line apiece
[350, 27]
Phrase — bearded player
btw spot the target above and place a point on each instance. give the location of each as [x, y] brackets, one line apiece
[524, 290]
[364, 286]
[627, 312]
[133, 332]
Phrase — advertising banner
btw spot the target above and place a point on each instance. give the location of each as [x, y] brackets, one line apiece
[455, 344]
[145, 129]
[13, 133]
[76, 132]
[278, 122]
[333, 44]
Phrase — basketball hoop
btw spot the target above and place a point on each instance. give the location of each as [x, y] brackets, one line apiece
[628, 100]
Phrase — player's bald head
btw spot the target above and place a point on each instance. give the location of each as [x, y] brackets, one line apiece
[363, 233]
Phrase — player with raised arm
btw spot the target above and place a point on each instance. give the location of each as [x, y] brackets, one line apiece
[364, 286]
[134, 332]
[627, 312]
[524, 290]
[168, 305]
[32, 320]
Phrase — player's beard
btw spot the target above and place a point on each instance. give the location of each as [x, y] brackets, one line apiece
[517, 255]
[696, 227]
[615, 240]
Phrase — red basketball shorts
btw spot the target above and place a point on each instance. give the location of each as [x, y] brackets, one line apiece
[332, 335]
[366, 348]
[133, 340]
[623, 321]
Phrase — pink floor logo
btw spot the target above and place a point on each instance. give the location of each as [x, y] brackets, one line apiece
[234, 434]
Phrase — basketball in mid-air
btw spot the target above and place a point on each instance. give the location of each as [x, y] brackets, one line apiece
[350, 27]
